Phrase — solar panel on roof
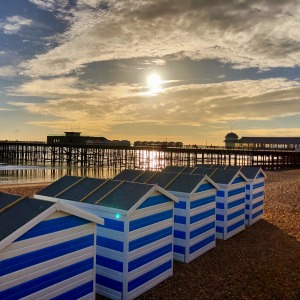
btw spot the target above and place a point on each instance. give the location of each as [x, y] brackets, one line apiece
[58, 186]
[185, 183]
[21, 213]
[126, 195]
[81, 189]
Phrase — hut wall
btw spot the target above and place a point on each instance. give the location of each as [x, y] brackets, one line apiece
[54, 258]
[230, 212]
[255, 200]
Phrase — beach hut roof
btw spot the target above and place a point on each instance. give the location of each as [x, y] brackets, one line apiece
[252, 172]
[235, 168]
[129, 175]
[221, 176]
[115, 194]
[19, 214]
[204, 171]
[178, 169]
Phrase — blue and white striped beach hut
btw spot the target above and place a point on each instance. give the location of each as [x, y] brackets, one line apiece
[194, 215]
[47, 250]
[230, 199]
[135, 245]
[255, 193]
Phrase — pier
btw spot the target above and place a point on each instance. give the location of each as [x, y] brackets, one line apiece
[149, 158]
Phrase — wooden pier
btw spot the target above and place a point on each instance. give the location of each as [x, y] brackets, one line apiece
[142, 157]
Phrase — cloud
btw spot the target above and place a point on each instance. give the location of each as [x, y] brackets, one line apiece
[8, 71]
[69, 99]
[14, 24]
[246, 34]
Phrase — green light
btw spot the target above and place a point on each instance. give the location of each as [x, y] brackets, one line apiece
[118, 216]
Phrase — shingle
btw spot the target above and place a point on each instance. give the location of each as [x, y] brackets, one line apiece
[21, 213]
[58, 186]
[126, 195]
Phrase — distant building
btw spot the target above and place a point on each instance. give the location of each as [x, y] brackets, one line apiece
[158, 144]
[75, 138]
[286, 143]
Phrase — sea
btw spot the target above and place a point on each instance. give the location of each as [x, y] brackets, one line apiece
[24, 174]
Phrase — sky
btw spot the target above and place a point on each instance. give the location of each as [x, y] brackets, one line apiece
[188, 71]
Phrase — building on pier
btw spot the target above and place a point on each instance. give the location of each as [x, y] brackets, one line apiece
[232, 141]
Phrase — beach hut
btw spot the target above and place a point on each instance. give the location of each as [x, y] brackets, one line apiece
[194, 215]
[230, 211]
[255, 193]
[47, 250]
[135, 244]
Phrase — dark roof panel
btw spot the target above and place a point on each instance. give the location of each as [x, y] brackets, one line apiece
[126, 195]
[81, 189]
[250, 172]
[7, 199]
[173, 169]
[185, 183]
[20, 213]
[58, 186]
[235, 168]
[145, 176]
[204, 171]
[128, 175]
[207, 166]
[162, 179]
[223, 176]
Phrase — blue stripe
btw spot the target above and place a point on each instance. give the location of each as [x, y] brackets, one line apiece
[238, 180]
[77, 292]
[248, 187]
[180, 205]
[202, 229]
[202, 244]
[157, 253]
[260, 212]
[179, 234]
[247, 197]
[53, 225]
[219, 229]
[110, 243]
[235, 214]
[220, 205]
[247, 216]
[203, 215]
[258, 195]
[149, 275]
[112, 224]
[150, 238]
[203, 201]
[45, 281]
[258, 204]
[258, 185]
[221, 193]
[155, 200]
[236, 192]
[219, 217]
[205, 187]
[236, 225]
[247, 206]
[236, 202]
[179, 249]
[179, 219]
[109, 283]
[39, 256]
[109, 263]
[149, 220]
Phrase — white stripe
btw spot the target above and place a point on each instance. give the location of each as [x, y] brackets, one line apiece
[151, 210]
[43, 241]
[44, 268]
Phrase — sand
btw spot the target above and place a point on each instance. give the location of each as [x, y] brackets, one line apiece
[262, 262]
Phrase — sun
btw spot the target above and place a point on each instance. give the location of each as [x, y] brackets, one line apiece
[154, 83]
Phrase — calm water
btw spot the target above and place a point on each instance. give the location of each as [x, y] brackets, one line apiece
[17, 174]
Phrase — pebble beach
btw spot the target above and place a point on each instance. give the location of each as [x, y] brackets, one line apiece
[262, 262]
